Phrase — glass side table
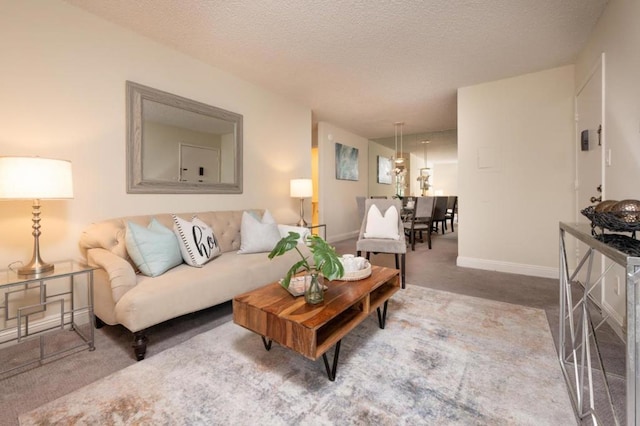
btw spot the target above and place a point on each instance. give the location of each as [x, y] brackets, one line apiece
[316, 228]
[44, 316]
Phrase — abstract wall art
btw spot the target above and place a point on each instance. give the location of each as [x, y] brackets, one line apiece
[346, 162]
[384, 170]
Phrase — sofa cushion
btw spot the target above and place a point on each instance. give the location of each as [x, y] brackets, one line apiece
[153, 249]
[184, 289]
[258, 235]
[197, 243]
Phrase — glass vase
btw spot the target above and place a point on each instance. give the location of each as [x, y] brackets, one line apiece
[314, 290]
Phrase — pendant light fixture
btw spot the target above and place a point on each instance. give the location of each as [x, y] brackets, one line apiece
[396, 125]
[424, 176]
[424, 151]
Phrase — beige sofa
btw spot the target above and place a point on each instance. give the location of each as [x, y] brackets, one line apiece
[122, 296]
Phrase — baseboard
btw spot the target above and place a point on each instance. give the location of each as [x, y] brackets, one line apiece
[342, 237]
[616, 321]
[512, 268]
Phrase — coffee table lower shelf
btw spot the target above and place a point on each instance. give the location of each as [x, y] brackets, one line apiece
[311, 330]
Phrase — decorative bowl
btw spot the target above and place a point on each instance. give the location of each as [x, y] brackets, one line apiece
[359, 274]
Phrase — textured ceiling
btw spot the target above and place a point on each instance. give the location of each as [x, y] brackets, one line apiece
[365, 64]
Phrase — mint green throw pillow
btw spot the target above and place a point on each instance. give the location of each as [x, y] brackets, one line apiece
[154, 249]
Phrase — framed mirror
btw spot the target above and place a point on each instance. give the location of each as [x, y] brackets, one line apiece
[177, 145]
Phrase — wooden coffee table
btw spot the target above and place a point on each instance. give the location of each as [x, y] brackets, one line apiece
[311, 330]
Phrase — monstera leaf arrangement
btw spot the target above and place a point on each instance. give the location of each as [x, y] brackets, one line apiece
[325, 259]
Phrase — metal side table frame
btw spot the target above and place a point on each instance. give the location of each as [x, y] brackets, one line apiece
[575, 350]
[66, 310]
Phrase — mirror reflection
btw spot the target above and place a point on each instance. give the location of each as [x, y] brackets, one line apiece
[178, 145]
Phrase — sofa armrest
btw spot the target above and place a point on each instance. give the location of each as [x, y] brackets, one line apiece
[121, 275]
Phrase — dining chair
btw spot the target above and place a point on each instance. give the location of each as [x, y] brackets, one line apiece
[452, 207]
[408, 204]
[420, 221]
[439, 212]
[368, 242]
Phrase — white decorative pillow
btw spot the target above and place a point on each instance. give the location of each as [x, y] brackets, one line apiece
[153, 249]
[379, 226]
[198, 245]
[258, 236]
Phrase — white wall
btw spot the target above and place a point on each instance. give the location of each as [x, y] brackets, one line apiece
[515, 171]
[445, 178]
[617, 34]
[62, 85]
[337, 198]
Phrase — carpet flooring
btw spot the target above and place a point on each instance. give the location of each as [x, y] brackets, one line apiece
[434, 269]
[442, 359]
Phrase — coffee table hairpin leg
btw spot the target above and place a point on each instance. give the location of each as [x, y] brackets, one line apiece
[267, 344]
[382, 317]
[331, 371]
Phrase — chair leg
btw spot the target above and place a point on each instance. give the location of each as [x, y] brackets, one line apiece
[397, 263]
[402, 270]
[429, 238]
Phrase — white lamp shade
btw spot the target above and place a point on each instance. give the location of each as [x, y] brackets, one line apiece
[301, 188]
[35, 178]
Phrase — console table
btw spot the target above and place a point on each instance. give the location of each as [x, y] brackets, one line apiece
[36, 309]
[575, 347]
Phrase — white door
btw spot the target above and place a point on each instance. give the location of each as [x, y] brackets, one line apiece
[590, 157]
[199, 164]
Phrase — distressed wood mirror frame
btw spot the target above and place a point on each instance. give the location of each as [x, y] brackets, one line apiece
[186, 117]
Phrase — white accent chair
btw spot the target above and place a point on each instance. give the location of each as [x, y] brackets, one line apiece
[398, 247]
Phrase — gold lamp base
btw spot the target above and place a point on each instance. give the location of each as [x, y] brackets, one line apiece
[35, 268]
[36, 265]
[302, 222]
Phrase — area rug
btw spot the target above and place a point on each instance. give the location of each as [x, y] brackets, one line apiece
[443, 358]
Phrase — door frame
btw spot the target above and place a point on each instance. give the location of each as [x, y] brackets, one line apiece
[601, 260]
[603, 140]
[182, 145]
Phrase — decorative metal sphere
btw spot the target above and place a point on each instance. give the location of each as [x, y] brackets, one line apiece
[605, 205]
[629, 210]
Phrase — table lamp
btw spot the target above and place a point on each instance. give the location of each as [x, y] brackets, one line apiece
[301, 188]
[35, 178]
